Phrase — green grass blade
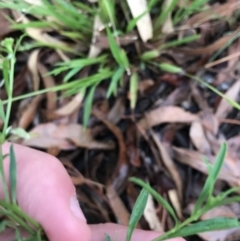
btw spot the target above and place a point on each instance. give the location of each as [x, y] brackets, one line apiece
[13, 175]
[114, 81]
[157, 196]
[212, 177]
[118, 53]
[133, 90]
[2, 113]
[88, 106]
[203, 226]
[164, 13]
[137, 212]
[132, 24]
[171, 68]
[178, 42]
[5, 70]
[148, 55]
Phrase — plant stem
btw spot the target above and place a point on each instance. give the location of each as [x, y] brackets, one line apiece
[3, 177]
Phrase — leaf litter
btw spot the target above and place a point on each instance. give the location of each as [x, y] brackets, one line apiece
[163, 133]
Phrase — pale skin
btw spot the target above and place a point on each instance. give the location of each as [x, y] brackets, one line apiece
[46, 193]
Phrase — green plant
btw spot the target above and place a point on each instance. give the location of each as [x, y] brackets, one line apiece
[15, 217]
[114, 65]
[205, 202]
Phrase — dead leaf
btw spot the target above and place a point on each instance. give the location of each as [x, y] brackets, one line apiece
[33, 68]
[214, 12]
[150, 215]
[144, 24]
[51, 135]
[228, 173]
[224, 107]
[117, 111]
[5, 25]
[121, 170]
[97, 27]
[48, 83]
[198, 138]
[210, 49]
[28, 110]
[166, 114]
[167, 27]
[168, 162]
[118, 207]
[71, 106]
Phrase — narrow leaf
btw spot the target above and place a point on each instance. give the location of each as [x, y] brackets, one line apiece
[13, 175]
[171, 68]
[157, 196]
[203, 226]
[2, 114]
[88, 106]
[137, 212]
[114, 81]
[133, 90]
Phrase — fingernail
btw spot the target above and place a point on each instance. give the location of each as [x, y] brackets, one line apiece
[75, 208]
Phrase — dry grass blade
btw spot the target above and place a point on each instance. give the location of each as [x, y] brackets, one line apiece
[144, 24]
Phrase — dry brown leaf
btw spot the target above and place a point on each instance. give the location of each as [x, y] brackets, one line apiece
[71, 106]
[144, 24]
[216, 11]
[121, 170]
[232, 65]
[224, 107]
[5, 25]
[210, 49]
[51, 135]
[48, 83]
[230, 171]
[42, 138]
[33, 68]
[28, 113]
[173, 196]
[166, 114]
[168, 162]
[118, 207]
[198, 138]
[117, 111]
[150, 214]
[39, 34]
[97, 27]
